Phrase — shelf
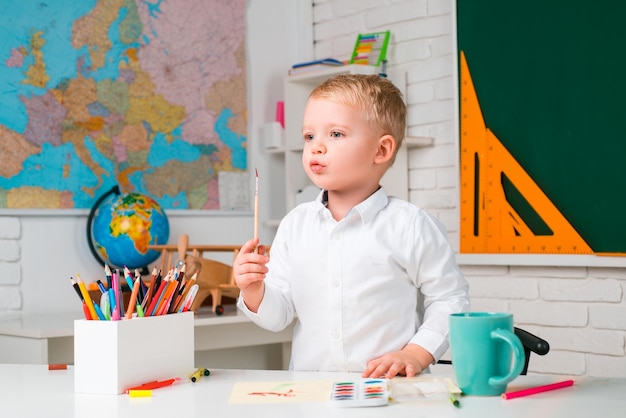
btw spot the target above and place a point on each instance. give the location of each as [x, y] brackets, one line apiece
[551, 260]
[275, 150]
[318, 76]
[418, 141]
[272, 223]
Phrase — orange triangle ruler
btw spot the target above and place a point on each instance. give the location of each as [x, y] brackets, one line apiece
[489, 223]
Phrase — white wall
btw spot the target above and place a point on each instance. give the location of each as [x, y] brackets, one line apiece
[45, 251]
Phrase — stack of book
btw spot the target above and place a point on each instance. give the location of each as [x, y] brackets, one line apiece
[316, 65]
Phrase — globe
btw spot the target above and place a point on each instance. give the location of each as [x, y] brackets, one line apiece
[122, 226]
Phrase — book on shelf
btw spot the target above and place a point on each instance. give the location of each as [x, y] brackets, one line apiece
[316, 65]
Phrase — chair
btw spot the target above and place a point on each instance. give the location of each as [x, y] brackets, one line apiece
[531, 344]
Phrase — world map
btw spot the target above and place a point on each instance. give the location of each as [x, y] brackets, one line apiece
[147, 95]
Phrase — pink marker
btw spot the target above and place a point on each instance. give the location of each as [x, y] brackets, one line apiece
[538, 389]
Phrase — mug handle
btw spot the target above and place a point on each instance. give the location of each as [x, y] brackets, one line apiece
[518, 356]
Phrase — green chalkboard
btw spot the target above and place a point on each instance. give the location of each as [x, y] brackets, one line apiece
[550, 76]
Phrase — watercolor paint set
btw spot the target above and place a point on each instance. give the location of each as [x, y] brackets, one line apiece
[360, 393]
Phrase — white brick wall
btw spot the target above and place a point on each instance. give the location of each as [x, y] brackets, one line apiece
[10, 269]
[580, 311]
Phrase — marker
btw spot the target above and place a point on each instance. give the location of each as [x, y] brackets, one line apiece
[106, 307]
[111, 299]
[107, 273]
[101, 286]
[455, 401]
[154, 385]
[538, 389]
[99, 312]
[195, 376]
[186, 305]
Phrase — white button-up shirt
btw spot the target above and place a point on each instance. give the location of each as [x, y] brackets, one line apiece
[361, 287]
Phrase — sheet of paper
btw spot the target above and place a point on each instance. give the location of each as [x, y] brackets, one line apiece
[281, 392]
[422, 387]
[234, 190]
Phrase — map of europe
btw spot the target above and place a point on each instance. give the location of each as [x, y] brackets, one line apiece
[149, 95]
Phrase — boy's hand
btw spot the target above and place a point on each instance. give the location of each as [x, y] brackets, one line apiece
[249, 270]
[410, 361]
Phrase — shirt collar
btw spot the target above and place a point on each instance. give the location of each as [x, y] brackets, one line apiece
[366, 210]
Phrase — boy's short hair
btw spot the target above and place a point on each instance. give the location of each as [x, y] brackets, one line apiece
[380, 101]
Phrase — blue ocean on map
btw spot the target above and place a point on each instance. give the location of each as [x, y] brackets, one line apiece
[82, 169]
[19, 18]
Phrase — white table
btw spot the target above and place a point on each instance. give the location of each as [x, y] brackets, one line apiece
[33, 391]
[43, 339]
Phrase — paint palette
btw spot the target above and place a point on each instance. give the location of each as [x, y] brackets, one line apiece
[362, 392]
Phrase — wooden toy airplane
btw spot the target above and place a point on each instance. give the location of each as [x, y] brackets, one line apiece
[214, 278]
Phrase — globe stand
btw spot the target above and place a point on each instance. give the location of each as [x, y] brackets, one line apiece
[114, 190]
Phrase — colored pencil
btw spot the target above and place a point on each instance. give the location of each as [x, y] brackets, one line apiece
[153, 286]
[88, 301]
[166, 299]
[157, 296]
[82, 299]
[538, 389]
[133, 299]
[181, 299]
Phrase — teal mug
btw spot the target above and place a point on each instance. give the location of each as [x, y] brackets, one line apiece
[486, 353]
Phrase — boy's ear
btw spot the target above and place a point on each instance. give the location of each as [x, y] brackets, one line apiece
[386, 149]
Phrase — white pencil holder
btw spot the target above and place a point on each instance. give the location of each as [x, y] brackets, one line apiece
[111, 356]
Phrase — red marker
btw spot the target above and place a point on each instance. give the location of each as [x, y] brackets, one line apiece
[153, 385]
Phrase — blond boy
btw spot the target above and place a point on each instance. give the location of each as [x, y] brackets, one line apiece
[369, 279]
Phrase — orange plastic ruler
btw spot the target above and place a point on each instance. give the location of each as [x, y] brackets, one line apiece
[489, 224]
